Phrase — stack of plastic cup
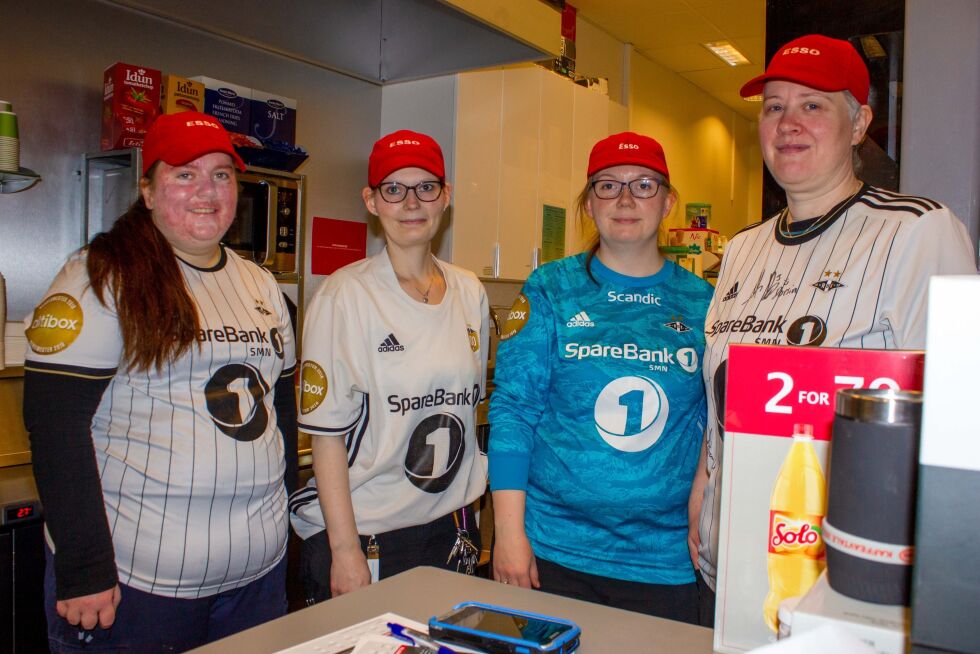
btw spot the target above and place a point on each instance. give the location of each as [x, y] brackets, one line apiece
[9, 141]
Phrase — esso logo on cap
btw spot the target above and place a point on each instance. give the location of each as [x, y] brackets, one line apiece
[201, 123]
[404, 142]
[628, 146]
[809, 51]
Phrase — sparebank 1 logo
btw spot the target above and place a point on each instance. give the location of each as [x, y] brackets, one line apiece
[435, 453]
[631, 413]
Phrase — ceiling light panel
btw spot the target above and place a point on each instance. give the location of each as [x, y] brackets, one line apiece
[727, 52]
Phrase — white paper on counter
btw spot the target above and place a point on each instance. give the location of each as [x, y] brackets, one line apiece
[347, 639]
[828, 638]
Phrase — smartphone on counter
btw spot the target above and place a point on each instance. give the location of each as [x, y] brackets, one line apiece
[501, 630]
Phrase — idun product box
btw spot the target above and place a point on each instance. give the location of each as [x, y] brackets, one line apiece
[130, 103]
[273, 117]
[779, 410]
[229, 103]
[882, 626]
[181, 94]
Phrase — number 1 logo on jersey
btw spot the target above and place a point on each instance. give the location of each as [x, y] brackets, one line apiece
[435, 452]
[236, 401]
[631, 413]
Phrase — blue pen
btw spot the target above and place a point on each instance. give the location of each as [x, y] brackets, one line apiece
[416, 637]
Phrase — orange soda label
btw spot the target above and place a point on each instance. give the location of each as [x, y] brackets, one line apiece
[796, 534]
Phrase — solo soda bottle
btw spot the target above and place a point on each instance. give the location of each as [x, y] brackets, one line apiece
[796, 511]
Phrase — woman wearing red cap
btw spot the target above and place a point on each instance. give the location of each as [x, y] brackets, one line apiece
[845, 264]
[157, 431]
[599, 407]
[394, 364]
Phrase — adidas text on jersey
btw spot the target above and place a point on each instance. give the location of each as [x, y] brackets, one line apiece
[391, 344]
[580, 319]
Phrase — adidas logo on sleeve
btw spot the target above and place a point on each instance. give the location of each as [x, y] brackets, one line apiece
[580, 319]
[391, 344]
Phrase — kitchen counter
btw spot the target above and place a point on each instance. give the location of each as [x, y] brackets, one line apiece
[423, 592]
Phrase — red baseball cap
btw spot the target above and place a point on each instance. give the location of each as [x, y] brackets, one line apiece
[182, 137]
[628, 148]
[819, 62]
[404, 149]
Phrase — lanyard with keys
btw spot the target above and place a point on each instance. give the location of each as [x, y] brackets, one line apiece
[467, 554]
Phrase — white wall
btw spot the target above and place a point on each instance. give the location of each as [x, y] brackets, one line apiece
[600, 55]
[427, 106]
[712, 152]
[940, 128]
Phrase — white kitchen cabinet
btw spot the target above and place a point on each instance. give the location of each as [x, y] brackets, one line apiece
[521, 140]
[520, 152]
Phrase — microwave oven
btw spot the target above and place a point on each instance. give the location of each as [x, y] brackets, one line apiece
[268, 225]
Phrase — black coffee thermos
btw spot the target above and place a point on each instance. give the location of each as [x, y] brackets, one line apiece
[870, 522]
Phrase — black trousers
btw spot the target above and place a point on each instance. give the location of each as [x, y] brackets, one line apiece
[400, 550]
[675, 602]
[706, 607]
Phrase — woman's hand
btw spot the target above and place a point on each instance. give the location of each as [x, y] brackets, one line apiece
[88, 611]
[348, 565]
[694, 502]
[348, 570]
[514, 562]
[513, 558]
[693, 545]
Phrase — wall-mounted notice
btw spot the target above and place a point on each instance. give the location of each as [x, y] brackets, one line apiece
[552, 233]
[336, 243]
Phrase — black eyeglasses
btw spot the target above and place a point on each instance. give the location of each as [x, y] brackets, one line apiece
[642, 188]
[396, 192]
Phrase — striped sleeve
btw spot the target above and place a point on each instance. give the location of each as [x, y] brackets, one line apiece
[935, 244]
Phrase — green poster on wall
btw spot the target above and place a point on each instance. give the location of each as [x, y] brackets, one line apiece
[552, 233]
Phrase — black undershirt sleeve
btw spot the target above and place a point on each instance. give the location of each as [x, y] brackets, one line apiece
[58, 412]
[285, 403]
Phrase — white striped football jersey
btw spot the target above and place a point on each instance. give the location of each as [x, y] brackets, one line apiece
[190, 458]
[859, 280]
[399, 381]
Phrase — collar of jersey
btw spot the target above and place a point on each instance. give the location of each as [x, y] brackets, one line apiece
[810, 228]
[606, 274]
[217, 266]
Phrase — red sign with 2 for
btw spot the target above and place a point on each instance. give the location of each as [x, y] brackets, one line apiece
[772, 388]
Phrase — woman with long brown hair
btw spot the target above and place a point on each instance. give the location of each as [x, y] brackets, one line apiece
[159, 398]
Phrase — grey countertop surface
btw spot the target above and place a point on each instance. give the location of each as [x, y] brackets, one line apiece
[424, 592]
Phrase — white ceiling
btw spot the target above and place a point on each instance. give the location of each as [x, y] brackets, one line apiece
[670, 32]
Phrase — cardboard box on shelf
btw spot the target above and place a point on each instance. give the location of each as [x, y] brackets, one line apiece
[130, 104]
[181, 94]
[273, 117]
[706, 239]
[229, 103]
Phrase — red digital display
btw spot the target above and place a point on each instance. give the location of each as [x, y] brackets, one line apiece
[18, 512]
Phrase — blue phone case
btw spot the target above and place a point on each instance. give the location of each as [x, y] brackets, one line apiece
[494, 643]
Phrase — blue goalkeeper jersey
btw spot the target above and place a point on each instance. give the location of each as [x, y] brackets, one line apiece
[598, 414]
